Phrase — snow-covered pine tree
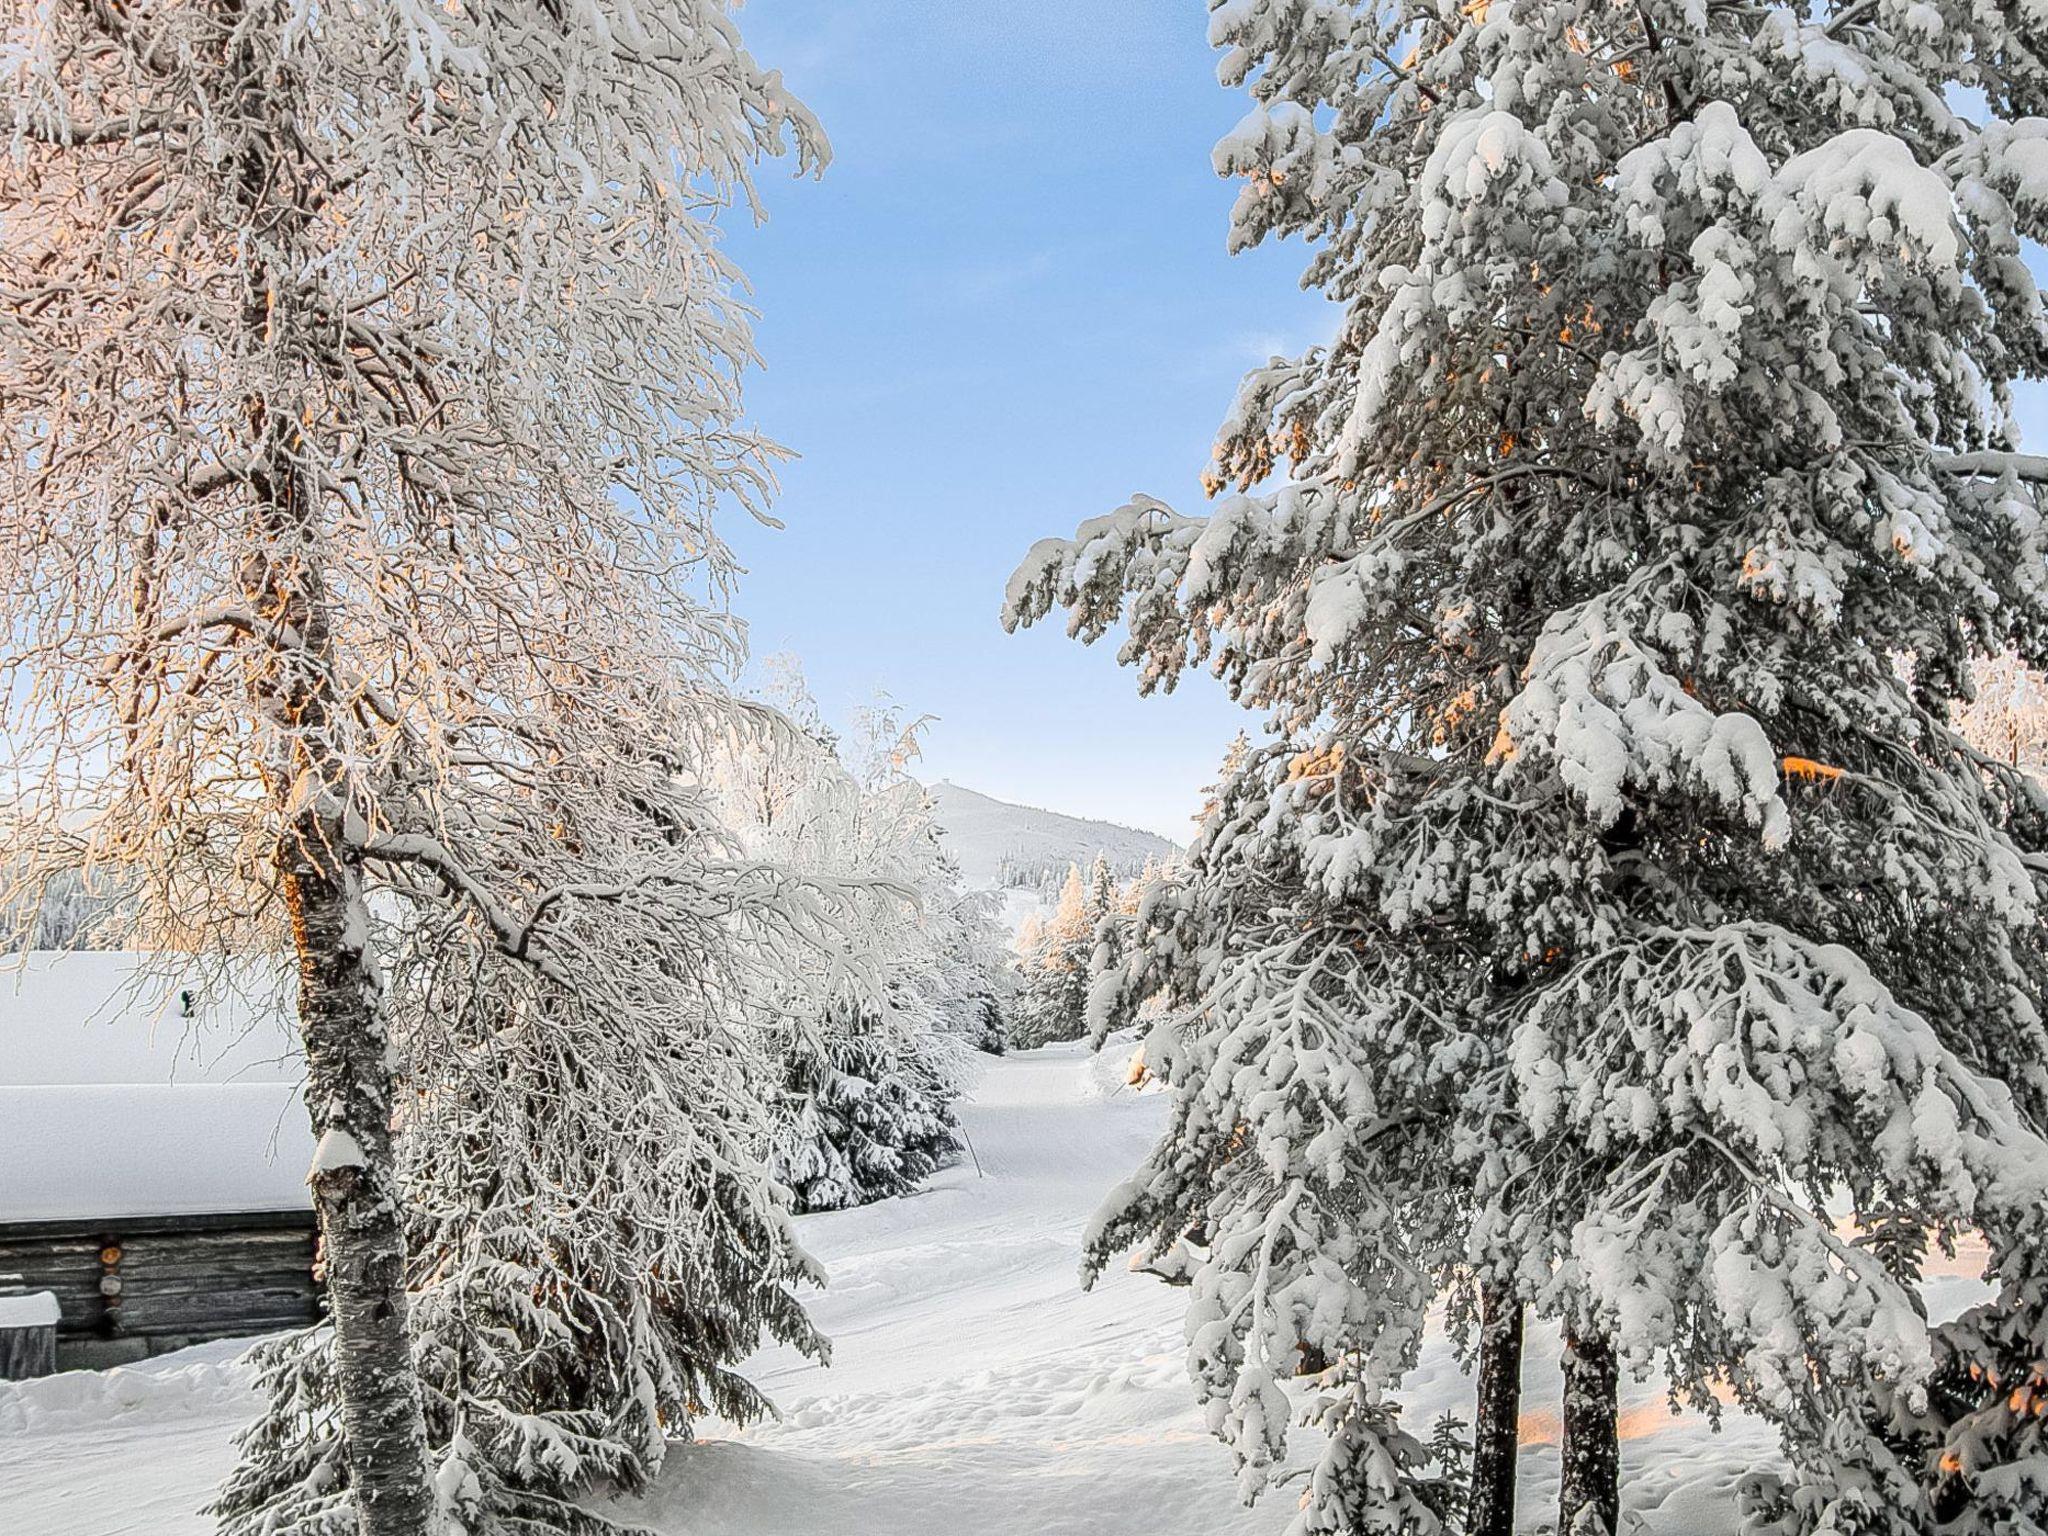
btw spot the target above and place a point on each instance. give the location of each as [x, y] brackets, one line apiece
[1112, 1003]
[1052, 1001]
[1982, 1444]
[872, 1070]
[1969, 1456]
[60, 909]
[977, 974]
[1963, 1454]
[1086, 934]
[1307, 1185]
[872, 1085]
[1103, 890]
[367, 377]
[1605, 841]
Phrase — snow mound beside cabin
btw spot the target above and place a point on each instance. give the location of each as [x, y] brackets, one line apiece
[206, 1381]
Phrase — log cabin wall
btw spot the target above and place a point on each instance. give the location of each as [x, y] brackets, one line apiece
[134, 1287]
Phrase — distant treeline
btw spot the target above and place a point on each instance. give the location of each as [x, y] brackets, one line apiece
[66, 911]
[1045, 873]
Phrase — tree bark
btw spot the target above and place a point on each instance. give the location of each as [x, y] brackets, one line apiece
[348, 1070]
[296, 684]
[1589, 1501]
[1496, 1443]
[355, 1191]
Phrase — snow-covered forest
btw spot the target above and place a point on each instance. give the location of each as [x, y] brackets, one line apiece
[1566, 1052]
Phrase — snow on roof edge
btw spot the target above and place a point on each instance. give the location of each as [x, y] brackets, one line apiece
[112, 1151]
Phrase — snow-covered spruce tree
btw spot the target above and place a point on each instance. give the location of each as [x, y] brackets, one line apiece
[366, 376]
[872, 1064]
[1307, 1184]
[1969, 1456]
[1605, 840]
[978, 974]
[1052, 1000]
[1085, 932]
[59, 909]
[1111, 1006]
[871, 1114]
[594, 1237]
[1103, 890]
[1965, 1456]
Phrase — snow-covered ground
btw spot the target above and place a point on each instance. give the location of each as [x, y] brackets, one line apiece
[974, 1387]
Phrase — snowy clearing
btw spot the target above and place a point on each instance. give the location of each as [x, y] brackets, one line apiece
[975, 1386]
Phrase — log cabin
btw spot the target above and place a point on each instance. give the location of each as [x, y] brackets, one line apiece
[153, 1149]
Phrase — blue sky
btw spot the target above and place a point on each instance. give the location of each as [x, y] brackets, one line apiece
[1005, 308]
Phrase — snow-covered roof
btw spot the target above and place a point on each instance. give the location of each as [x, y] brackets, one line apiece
[36, 1309]
[133, 1086]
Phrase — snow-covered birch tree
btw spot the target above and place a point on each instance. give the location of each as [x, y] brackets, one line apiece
[1611, 580]
[367, 374]
[2007, 714]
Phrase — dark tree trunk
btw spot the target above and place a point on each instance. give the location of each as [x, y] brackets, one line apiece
[1497, 1416]
[1589, 1502]
[355, 1191]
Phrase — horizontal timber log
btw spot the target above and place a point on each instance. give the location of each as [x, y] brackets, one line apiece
[173, 1278]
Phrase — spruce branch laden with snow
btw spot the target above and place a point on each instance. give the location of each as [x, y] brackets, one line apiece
[1618, 906]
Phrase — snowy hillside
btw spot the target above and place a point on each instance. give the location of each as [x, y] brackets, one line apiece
[975, 1386]
[998, 844]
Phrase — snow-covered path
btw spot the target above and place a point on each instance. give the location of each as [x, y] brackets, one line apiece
[974, 1387]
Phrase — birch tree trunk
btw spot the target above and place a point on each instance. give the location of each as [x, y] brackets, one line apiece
[348, 1069]
[1589, 1495]
[1497, 1416]
[354, 1176]
[354, 1185]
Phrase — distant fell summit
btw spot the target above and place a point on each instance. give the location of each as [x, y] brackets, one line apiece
[998, 845]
